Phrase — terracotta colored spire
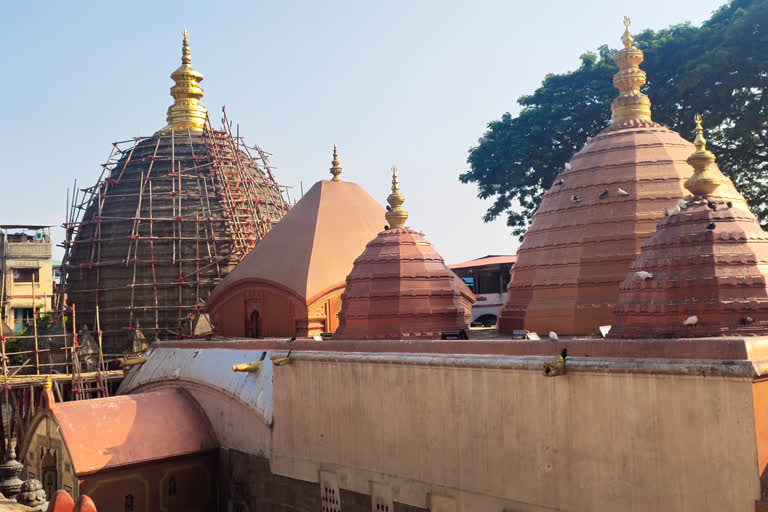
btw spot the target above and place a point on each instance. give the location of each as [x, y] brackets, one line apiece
[704, 181]
[335, 165]
[396, 216]
[631, 103]
[186, 111]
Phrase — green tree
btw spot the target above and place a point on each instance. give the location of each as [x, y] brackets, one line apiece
[719, 69]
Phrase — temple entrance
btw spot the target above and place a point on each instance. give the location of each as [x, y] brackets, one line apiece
[49, 474]
[253, 329]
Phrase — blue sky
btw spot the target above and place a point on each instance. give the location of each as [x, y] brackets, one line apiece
[396, 82]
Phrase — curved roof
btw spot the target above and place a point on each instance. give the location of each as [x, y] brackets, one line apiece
[117, 431]
[312, 249]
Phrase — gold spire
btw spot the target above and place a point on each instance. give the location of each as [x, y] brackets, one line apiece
[631, 103]
[703, 182]
[396, 216]
[335, 167]
[186, 111]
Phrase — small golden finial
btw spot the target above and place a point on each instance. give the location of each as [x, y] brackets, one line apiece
[335, 167]
[703, 182]
[631, 103]
[48, 382]
[186, 113]
[396, 216]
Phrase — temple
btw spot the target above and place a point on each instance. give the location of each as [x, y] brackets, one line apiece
[169, 217]
[291, 283]
[400, 288]
[597, 214]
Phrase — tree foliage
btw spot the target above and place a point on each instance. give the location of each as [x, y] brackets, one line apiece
[719, 69]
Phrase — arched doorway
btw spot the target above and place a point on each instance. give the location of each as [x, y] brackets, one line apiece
[253, 329]
[49, 474]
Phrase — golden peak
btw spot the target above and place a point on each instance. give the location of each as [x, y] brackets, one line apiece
[631, 103]
[627, 38]
[186, 113]
[396, 216]
[335, 167]
[703, 182]
[48, 382]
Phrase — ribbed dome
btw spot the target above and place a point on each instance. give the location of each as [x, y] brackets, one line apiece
[712, 264]
[591, 225]
[400, 288]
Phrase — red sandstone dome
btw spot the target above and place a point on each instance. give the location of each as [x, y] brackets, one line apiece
[704, 272]
[290, 284]
[400, 288]
[594, 219]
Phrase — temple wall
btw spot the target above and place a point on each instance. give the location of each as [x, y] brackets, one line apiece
[45, 457]
[280, 314]
[492, 433]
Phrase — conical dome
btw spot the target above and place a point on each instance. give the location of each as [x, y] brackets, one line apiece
[594, 219]
[705, 270]
[171, 215]
[400, 288]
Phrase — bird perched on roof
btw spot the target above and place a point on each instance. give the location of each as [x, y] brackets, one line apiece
[553, 335]
[643, 275]
[746, 320]
[681, 203]
[666, 212]
[674, 210]
[564, 353]
[691, 320]
[560, 181]
[712, 205]
[622, 192]
[386, 227]
[389, 208]
[575, 199]
[604, 194]
[711, 226]
[567, 166]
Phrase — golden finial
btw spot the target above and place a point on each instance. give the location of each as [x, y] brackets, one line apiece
[396, 216]
[703, 182]
[48, 382]
[631, 103]
[186, 111]
[335, 167]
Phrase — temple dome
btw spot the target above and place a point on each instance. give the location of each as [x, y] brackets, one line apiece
[294, 277]
[400, 287]
[593, 220]
[704, 271]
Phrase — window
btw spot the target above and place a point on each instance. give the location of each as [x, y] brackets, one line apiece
[129, 503]
[26, 275]
[172, 486]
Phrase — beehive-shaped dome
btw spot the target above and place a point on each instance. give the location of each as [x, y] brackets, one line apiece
[704, 272]
[594, 219]
[171, 215]
[400, 287]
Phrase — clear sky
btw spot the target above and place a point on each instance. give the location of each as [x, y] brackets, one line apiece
[411, 83]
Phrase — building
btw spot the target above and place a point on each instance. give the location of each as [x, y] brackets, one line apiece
[171, 215]
[291, 284]
[488, 278]
[26, 269]
[142, 452]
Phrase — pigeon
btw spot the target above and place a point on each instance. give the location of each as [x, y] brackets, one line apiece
[389, 208]
[553, 335]
[575, 198]
[729, 204]
[622, 192]
[643, 275]
[564, 353]
[386, 228]
[567, 166]
[691, 320]
[712, 205]
[666, 212]
[681, 203]
[746, 320]
[675, 210]
[711, 226]
[560, 181]
[293, 338]
[603, 194]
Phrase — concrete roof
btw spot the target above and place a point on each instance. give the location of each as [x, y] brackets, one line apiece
[312, 249]
[117, 431]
